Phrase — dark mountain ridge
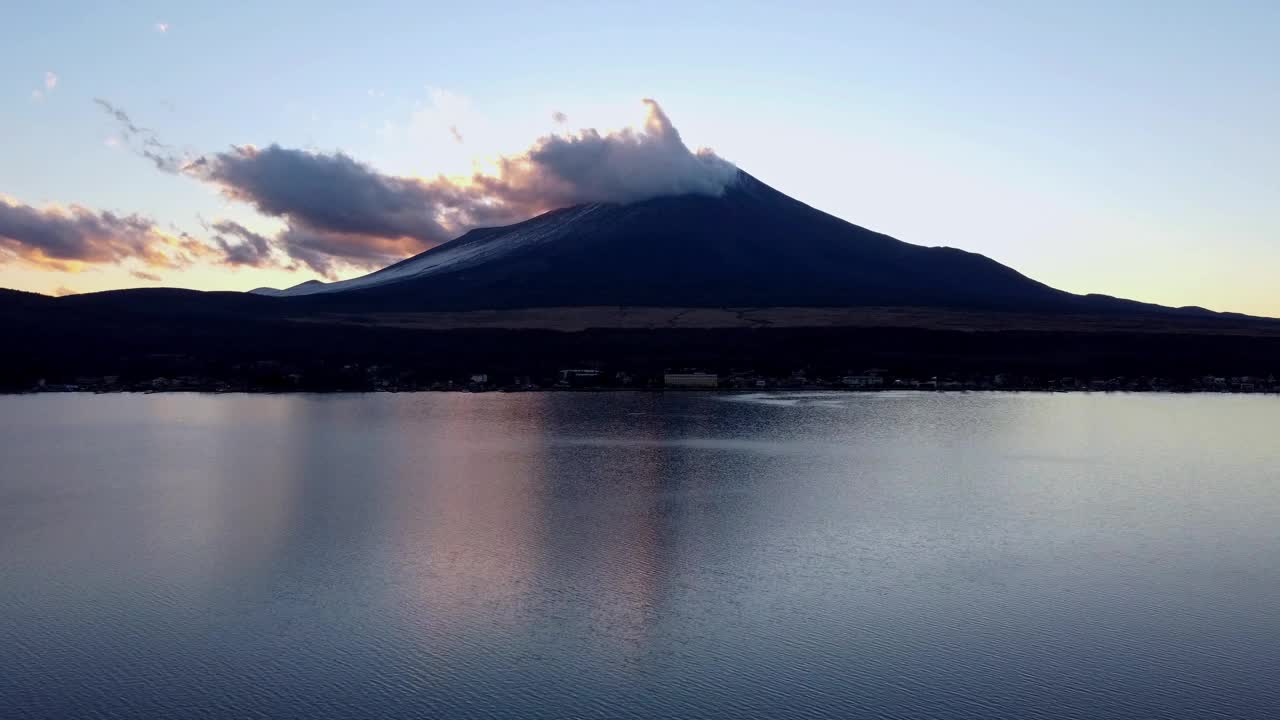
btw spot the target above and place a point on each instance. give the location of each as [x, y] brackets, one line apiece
[751, 247]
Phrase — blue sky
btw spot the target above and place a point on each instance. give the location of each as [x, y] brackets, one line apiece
[1127, 148]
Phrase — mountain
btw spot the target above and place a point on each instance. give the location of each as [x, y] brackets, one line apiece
[300, 289]
[751, 246]
[748, 279]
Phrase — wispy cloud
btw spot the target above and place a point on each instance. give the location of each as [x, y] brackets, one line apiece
[144, 141]
[50, 84]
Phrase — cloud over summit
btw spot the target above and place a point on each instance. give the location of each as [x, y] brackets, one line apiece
[341, 212]
[622, 166]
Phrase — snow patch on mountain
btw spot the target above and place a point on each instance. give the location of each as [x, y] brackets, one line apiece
[475, 247]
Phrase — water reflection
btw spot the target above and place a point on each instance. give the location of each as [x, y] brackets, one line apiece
[640, 555]
[468, 514]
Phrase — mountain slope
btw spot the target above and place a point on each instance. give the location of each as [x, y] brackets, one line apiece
[753, 246]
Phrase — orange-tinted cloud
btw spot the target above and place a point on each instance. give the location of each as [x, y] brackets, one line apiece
[69, 238]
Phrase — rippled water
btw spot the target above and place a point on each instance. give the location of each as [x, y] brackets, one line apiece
[640, 555]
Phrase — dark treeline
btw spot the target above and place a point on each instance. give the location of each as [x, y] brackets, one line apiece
[322, 356]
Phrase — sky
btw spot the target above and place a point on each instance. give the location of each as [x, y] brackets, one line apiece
[1131, 149]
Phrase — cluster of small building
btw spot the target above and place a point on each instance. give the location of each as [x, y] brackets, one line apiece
[113, 383]
[385, 379]
[872, 379]
[879, 379]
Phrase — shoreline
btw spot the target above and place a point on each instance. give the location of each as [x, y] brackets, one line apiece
[680, 390]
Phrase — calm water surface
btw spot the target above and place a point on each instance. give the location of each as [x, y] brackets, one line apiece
[640, 555]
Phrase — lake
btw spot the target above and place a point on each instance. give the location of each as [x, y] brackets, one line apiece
[633, 555]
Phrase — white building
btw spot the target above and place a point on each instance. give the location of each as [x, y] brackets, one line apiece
[691, 379]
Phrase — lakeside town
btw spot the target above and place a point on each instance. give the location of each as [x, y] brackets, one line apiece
[270, 376]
